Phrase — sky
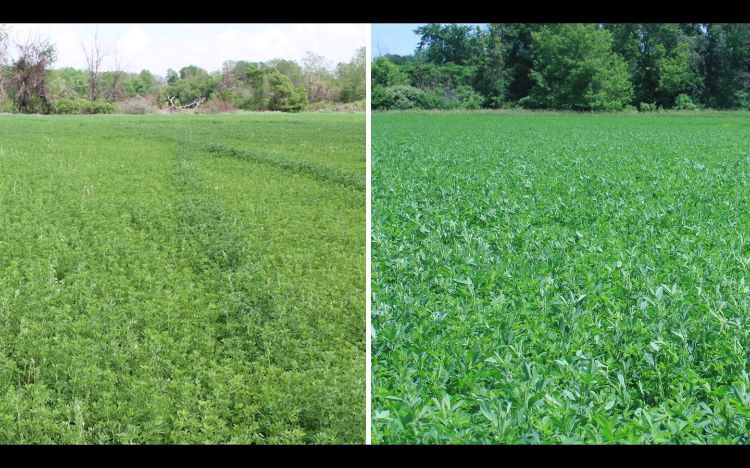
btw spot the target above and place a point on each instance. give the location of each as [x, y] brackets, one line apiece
[158, 47]
[396, 38]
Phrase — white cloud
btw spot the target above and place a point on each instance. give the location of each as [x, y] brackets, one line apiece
[336, 42]
[132, 45]
[158, 47]
[66, 42]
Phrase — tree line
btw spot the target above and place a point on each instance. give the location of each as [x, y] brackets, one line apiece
[579, 67]
[30, 84]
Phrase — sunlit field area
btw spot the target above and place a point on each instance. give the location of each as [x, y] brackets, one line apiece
[560, 278]
[182, 279]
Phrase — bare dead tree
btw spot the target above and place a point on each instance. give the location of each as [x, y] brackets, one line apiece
[228, 77]
[380, 48]
[29, 73]
[193, 105]
[118, 92]
[94, 57]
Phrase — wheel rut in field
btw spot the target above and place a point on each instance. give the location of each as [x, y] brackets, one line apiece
[316, 171]
[212, 244]
[251, 327]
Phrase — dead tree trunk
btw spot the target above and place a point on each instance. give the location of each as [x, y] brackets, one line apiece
[118, 92]
[193, 105]
[94, 58]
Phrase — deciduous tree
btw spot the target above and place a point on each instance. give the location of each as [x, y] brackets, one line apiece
[575, 68]
[351, 77]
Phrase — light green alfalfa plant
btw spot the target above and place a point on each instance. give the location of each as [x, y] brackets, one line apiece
[154, 292]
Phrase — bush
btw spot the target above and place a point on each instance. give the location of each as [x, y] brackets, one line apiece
[436, 99]
[468, 98]
[497, 102]
[6, 106]
[330, 106]
[683, 102]
[98, 107]
[647, 107]
[378, 97]
[528, 102]
[81, 106]
[67, 106]
[742, 98]
[215, 106]
[355, 106]
[137, 105]
[404, 97]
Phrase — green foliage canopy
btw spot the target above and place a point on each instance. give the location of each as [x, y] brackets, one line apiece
[581, 67]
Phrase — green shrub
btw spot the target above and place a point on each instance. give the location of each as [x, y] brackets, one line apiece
[66, 106]
[684, 102]
[468, 98]
[743, 99]
[81, 106]
[409, 97]
[647, 107]
[99, 107]
[436, 99]
[378, 97]
[529, 102]
[403, 97]
[6, 106]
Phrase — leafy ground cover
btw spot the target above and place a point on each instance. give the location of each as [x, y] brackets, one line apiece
[156, 290]
[561, 278]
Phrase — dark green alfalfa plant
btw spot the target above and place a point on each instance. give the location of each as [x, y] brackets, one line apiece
[560, 278]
